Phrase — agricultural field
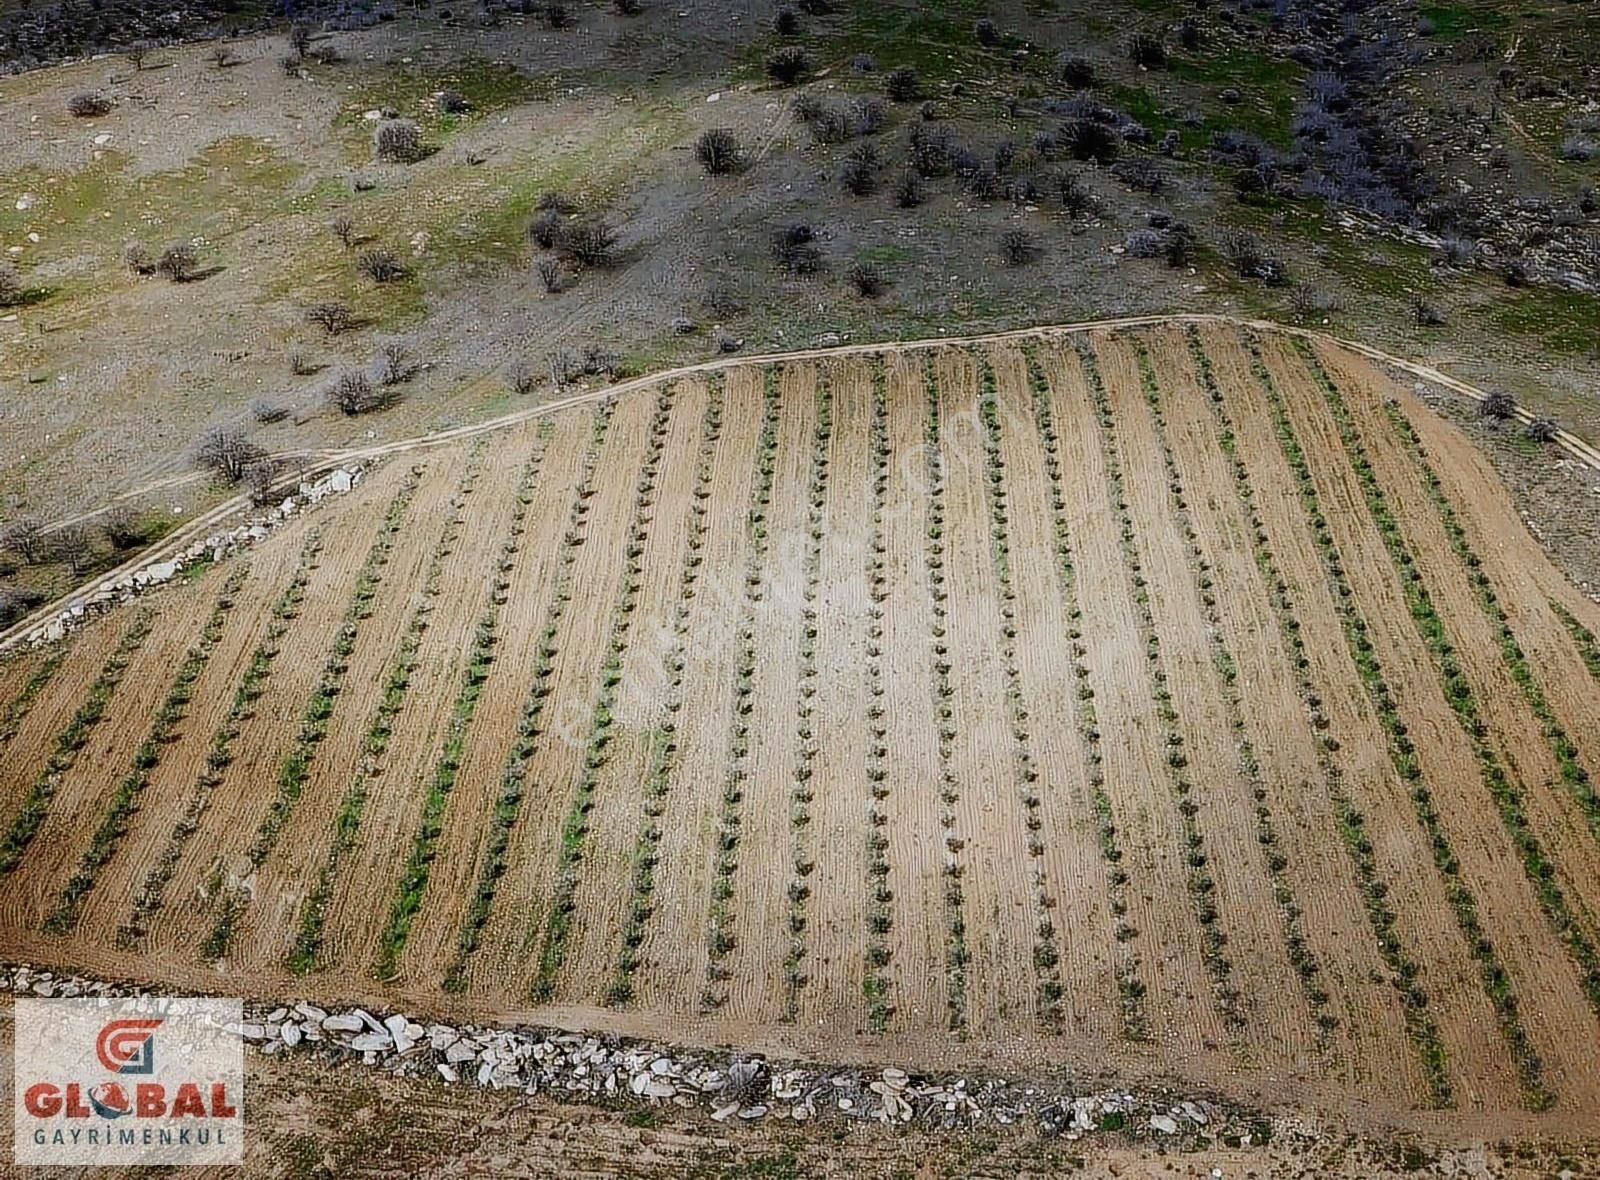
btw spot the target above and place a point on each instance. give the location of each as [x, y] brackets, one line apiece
[1176, 701]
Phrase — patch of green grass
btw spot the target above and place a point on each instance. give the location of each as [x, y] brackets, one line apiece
[1562, 321]
[593, 172]
[1269, 85]
[232, 185]
[1451, 21]
[487, 86]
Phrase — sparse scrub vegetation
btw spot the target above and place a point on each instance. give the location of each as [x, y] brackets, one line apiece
[398, 141]
[788, 65]
[719, 151]
[89, 106]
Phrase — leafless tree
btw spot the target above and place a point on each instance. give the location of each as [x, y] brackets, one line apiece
[179, 262]
[520, 379]
[11, 288]
[383, 266]
[73, 546]
[396, 364]
[121, 527]
[25, 538]
[332, 317]
[228, 453]
[259, 478]
[138, 260]
[353, 393]
[552, 274]
[266, 412]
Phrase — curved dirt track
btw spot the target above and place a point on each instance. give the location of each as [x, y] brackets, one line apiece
[1173, 697]
[319, 460]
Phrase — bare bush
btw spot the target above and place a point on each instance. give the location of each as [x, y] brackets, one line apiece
[121, 528]
[1142, 175]
[719, 151]
[73, 546]
[1076, 72]
[1144, 243]
[332, 317]
[588, 241]
[546, 227]
[451, 102]
[137, 259]
[266, 412]
[1498, 406]
[302, 364]
[903, 85]
[859, 175]
[722, 301]
[1147, 50]
[17, 601]
[11, 289]
[1542, 430]
[986, 32]
[786, 23]
[868, 279]
[1018, 247]
[1090, 139]
[227, 453]
[557, 15]
[1251, 259]
[796, 250]
[353, 393]
[383, 266]
[398, 141]
[628, 7]
[179, 262]
[300, 38]
[1070, 191]
[788, 65]
[343, 227]
[25, 538]
[908, 190]
[933, 151]
[1425, 313]
[260, 480]
[396, 365]
[552, 274]
[520, 379]
[89, 105]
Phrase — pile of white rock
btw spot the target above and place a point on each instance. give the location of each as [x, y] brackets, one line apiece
[730, 1088]
[212, 548]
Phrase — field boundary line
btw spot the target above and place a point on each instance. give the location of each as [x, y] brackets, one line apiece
[327, 459]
